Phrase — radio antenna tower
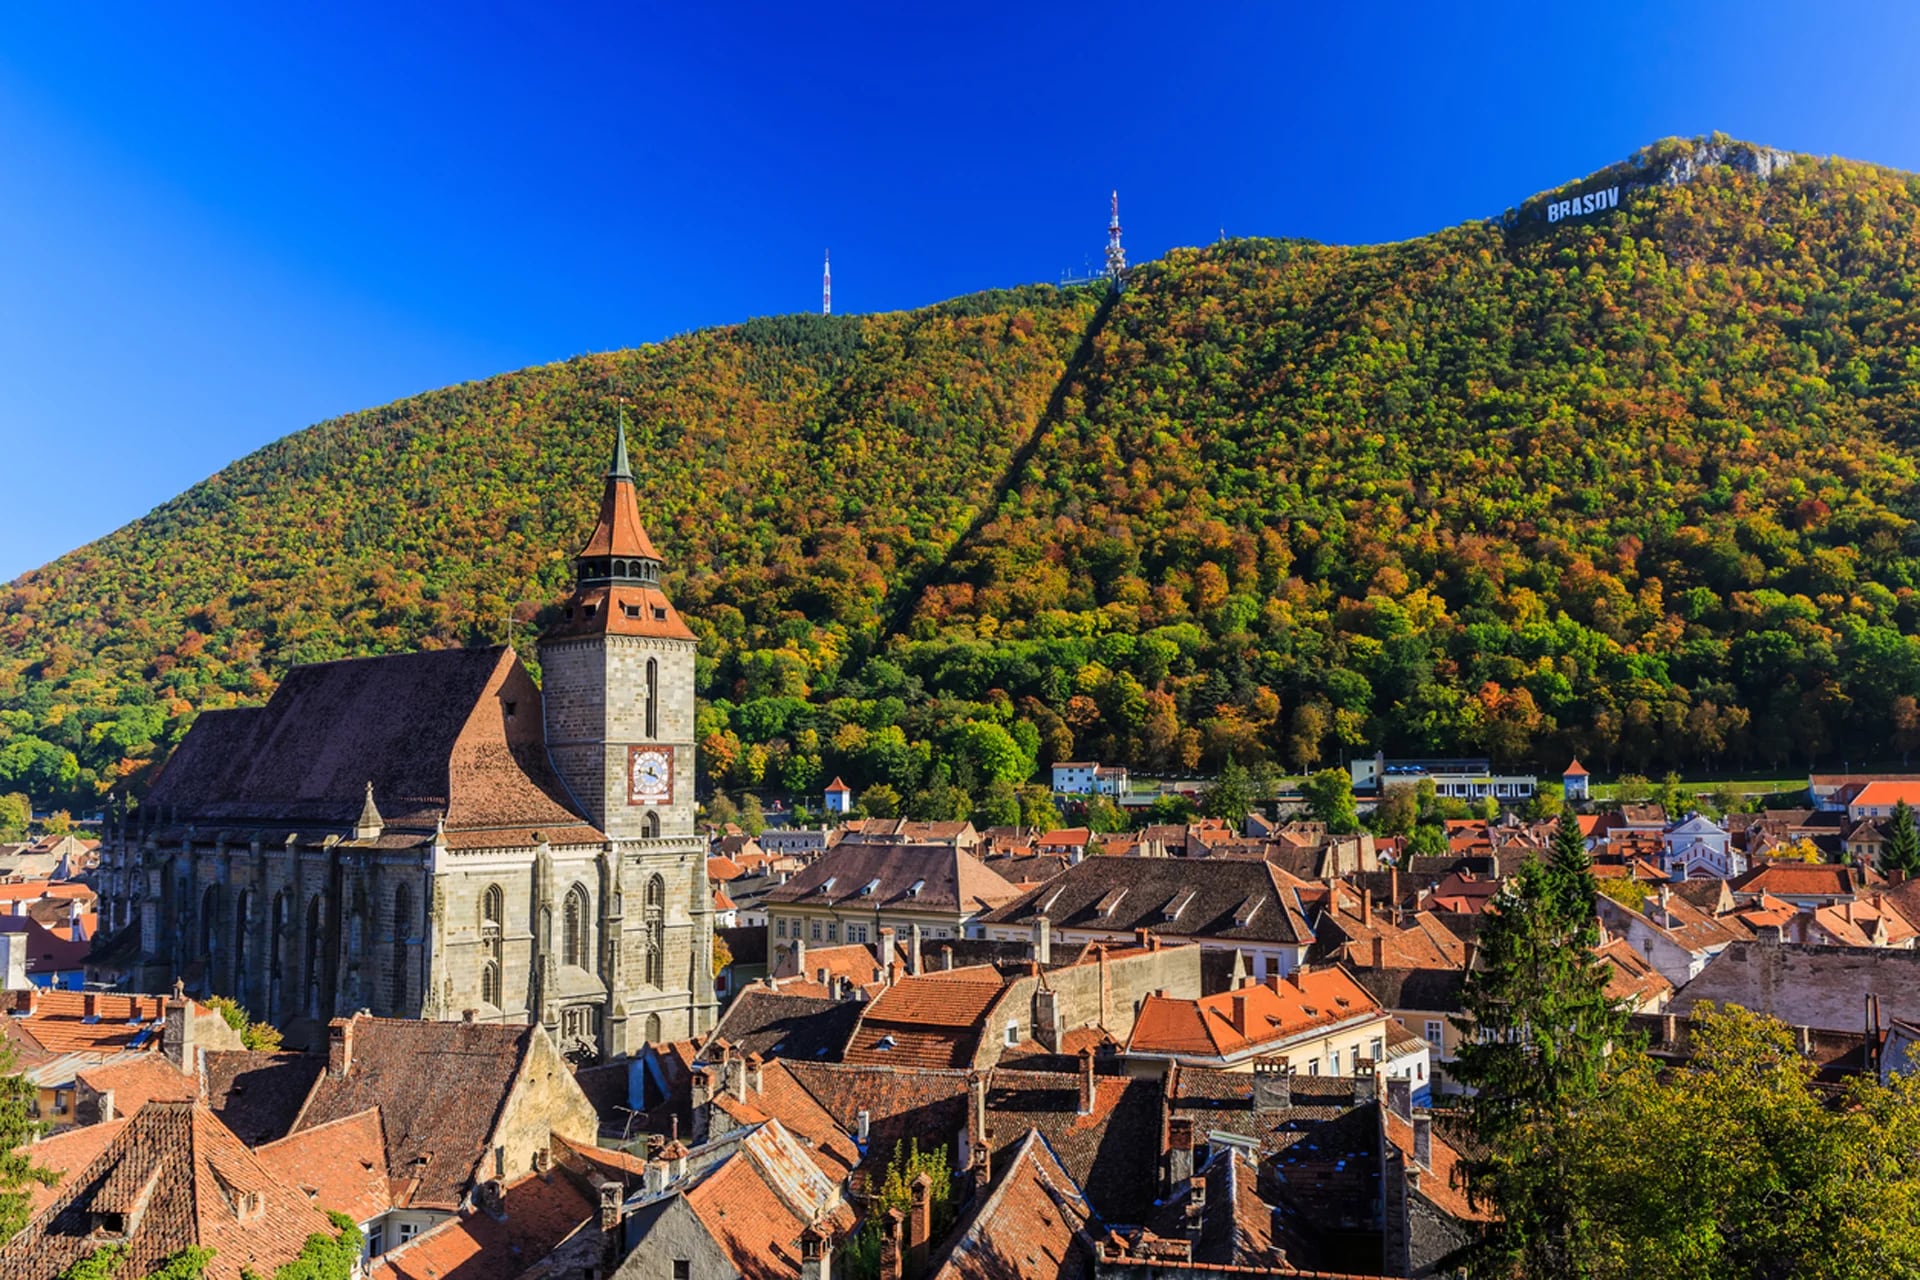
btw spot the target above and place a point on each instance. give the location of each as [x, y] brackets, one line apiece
[826, 286]
[1116, 256]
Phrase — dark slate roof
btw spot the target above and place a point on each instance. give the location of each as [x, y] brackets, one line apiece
[453, 732]
[1426, 990]
[782, 1026]
[1128, 894]
[259, 1095]
[1112, 1154]
[949, 880]
[440, 1087]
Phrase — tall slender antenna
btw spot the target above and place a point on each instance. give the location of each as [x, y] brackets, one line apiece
[1116, 256]
[826, 286]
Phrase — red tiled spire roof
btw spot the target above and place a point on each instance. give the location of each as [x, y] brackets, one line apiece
[620, 532]
[1574, 770]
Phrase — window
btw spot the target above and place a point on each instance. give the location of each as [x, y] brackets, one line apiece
[376, 1240]
[833, 931]
[653, 697]
[573, 929]
[493, 908]
[780, 927]
[1436, 1032]
[656, 920]
[490, 983]
[1313, 1067]
[1377, 1050]
[408, 1230]
[650, 826]
[682, 1269]
[856, 933]
[1333, 1062]
[1013, 1033]
[815, 932]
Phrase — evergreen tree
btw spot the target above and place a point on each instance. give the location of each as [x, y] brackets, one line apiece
[1902, 850]
[1329, 794]
[1570, 875]
[1231, 794]
[999, 806]
[1538, 1029]
[18, 1171]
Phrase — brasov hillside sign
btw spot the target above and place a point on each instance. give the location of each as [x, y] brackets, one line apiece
[1579, 206]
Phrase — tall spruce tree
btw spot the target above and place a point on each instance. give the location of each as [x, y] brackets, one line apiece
[1537, 1033]
[1902, 850]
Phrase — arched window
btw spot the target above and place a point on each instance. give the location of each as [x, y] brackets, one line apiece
[653, 698]
[490, 984]
[310, 972]
[574, 926]
[493, 908]
[209, 920]
[650, 825]
[242, 909]
[656, 922]
[653, 1028]
[397, 967]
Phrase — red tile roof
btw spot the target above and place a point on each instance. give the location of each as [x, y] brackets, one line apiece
[58, 1021]
[64, 1153]
[181, 1179]
[927, 1021]
[151, 1077]
[538, 1213]
[341, 1165]
[1265, 1013]
[1034, 1225]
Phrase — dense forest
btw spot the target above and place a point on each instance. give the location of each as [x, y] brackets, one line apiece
[1639, 486]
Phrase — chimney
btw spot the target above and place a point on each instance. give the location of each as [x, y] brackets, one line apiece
[1042, 941]
[339, 1047]
[752, 1075]
[1803, 1038]
[862, 1126]
[177, 1039]
[90, 1005]
[1272, 1085]
[1238, 1003]
[1140, 938]
[816, 1252]
[1400, 1097]
[889, 942]
[609, 1207]
[799, 954]
[700, 1097]
[1379, 951]
[13, 954]
[1366, 907]
[979, 1141]
[890, 1268]
[1086, 1082]
[946, 957]
[1046, 1019]
[654, 1177]
[919, 1225]
[1423, 1139]
[1179, 1166]
[913, 949]
[1366, 1082]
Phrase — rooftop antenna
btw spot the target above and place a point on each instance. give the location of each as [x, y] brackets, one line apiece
[1116, 256]
[826, 286]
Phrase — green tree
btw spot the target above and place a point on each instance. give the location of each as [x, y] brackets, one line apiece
[18, 1128]
[1230, 796]
[880, 801]
[1547, 802]
[909, 1162]
[1397, 811]
[1037, 808]
[1537, 1032]
[721, 810]
[1429, 840]
[1170, 810]
[1902, 849]
[999, 806]
[16, 811]
[1631, 788]
[262, 1037]
[1104, 816]
[753, 818]
[1329, 796]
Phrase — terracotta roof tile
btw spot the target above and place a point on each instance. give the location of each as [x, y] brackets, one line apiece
[148, 1078]
[926, 1021]
[538, 1213]
[1035, 1224]
[65, 1153]
[341, 1165]
[1259, 1014]
[181, 1179]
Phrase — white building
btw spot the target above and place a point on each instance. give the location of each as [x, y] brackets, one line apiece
[1700, 849]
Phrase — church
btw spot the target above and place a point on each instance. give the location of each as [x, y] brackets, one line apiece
[434, 835]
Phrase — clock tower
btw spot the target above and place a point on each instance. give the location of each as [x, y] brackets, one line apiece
[618, 679]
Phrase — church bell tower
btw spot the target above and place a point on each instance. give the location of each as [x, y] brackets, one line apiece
[618, 678]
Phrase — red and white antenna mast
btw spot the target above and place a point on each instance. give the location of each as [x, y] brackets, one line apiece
[1116, 256]
[826, 286]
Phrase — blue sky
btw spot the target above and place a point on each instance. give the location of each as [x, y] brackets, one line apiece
[221, 225]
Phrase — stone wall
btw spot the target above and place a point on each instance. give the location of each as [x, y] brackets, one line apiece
[545, 1100]
[1088, 995]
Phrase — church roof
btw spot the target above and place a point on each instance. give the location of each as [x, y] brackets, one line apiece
[620, 609]
[619, 531]
[453, 733]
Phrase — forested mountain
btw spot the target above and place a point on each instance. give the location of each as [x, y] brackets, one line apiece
[1637, 483]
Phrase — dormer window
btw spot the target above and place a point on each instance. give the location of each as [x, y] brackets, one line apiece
[866, 890]
[510, 705]
[659, 613]
[913, 890]
[631, 610]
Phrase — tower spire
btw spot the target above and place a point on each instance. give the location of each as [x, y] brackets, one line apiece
[620, 470]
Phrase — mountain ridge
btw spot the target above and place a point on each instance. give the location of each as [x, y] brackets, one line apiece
[1150, 554]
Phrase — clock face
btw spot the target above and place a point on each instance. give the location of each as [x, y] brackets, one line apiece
[649, 775]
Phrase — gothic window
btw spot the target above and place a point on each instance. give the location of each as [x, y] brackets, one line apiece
[653, 698]
[243, 908]
[656, 921]
[653, 1028]
[493, 914]
[650, 825]
[574, 929]
[397, 969]
[490, 984]
[310, 972]
[209, 919]
[276, 941]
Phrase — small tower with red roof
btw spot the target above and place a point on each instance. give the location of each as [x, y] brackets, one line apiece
[839, 797]
[1573, 783]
